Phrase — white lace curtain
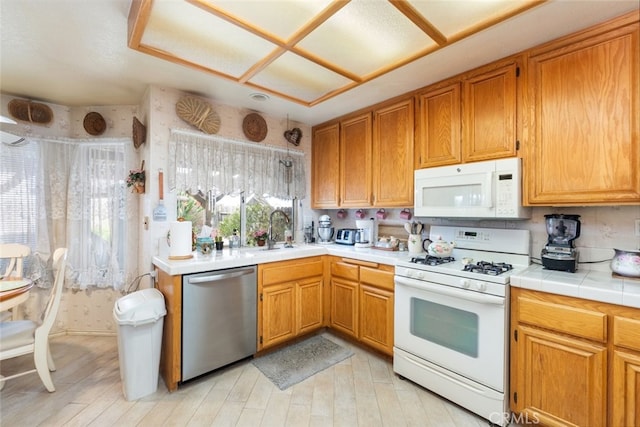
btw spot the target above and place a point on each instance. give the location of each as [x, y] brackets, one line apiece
[76, 197]
[228, 166]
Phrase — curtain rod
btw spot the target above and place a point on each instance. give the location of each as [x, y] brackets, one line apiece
[236, 141]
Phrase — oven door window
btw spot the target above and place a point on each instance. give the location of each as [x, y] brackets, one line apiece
[447, 326]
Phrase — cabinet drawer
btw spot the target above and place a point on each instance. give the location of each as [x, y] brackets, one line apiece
[291, 271]
[378, 278]
[344, 270]
[563, 318]
[626, 332]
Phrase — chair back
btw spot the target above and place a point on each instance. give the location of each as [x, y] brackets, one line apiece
[51, 310]
[14, 253]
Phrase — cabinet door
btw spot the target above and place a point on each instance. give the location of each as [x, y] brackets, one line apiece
[626, 389]
[344, 306]
[376, 318]
[355, 161]
[278, 314]
[310, 304]
[438, 128]
[393, 155]
[489, 114]
[325, 157]
[560, 380]
[585, 120]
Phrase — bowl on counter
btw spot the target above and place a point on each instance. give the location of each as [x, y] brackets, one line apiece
[626, 263]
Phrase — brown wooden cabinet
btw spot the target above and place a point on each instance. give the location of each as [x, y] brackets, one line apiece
[362, 302]
[625, 382]
[355, 161]
[325, 158]
[171, 350]
[584, 141]
[393, 132]
[574, 361]
[290, 300]
[374, 165]
[438, 140]
[469, 118]
[489, 106]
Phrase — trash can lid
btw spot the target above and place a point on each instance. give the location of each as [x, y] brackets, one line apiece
[140, 307]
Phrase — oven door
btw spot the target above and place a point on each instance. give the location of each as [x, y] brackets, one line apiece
[460, 330]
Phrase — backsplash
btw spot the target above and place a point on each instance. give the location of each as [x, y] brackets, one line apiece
[603, 228]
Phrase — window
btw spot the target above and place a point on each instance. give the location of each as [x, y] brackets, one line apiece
[70, 193]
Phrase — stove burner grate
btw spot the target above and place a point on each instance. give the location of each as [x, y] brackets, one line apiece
[431, 260]
[491, 268]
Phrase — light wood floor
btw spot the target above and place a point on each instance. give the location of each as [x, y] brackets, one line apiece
[360, 391]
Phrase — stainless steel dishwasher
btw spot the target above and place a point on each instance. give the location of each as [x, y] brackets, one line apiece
[219, 313]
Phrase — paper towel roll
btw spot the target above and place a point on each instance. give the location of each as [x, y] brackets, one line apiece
[181, 239]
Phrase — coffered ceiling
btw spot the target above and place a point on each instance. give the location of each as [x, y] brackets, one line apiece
[313, 59]
[307, 51]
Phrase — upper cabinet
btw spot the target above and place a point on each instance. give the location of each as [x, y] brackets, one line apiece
[355, 161]
[469, 118]
[365, 159]
[438, 126]
[583, 146]
[393, 154]
[325, 157]
[489, 107]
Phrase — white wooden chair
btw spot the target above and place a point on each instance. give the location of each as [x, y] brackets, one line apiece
[20, 337]
[14, 253]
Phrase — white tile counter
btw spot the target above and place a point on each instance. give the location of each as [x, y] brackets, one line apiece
[586, 284]
[229, 258]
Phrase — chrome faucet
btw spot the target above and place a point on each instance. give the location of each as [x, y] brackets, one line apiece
[270, 240]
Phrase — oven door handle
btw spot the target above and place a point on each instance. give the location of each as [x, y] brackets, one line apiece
[449, 291]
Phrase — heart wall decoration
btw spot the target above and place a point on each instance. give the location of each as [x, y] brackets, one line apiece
[293, 136]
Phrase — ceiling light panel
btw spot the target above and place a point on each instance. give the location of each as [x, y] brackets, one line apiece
[452, 17]
[365, 36]
[199, 37]
[282, 18]
[299, 78]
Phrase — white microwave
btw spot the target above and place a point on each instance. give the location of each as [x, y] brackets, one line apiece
[490, 189]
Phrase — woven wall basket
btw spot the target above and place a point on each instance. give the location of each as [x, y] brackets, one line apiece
[198, 113]
[32, 112]
[254, 127]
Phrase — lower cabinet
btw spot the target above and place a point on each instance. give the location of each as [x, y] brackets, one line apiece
[574, 361]
[362, 302]
[290, 300]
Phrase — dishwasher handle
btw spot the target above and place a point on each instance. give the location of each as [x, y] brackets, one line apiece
[214, 277]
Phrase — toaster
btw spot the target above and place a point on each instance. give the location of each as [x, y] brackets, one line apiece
[346, 236]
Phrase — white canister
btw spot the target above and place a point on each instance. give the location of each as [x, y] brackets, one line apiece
[414, 244]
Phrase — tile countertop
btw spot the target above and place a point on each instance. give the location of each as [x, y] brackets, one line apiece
[587, 284]
[230, 258]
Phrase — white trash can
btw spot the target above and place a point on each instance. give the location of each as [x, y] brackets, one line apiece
[140, 319]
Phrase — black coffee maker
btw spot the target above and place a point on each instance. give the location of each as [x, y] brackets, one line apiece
[559, 253]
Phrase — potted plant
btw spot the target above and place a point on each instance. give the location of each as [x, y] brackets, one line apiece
[136, 179]
[260, 236]
[217, 241]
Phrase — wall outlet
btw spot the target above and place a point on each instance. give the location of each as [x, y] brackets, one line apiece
[637, 227]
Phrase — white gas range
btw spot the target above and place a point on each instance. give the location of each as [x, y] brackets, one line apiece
[451, 317]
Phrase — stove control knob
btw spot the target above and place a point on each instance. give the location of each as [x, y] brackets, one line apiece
[409, 273]
[482, 287]
[466, 284]
[420, 275]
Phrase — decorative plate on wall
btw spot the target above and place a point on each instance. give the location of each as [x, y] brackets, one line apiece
[94, 124]
[254, 127]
